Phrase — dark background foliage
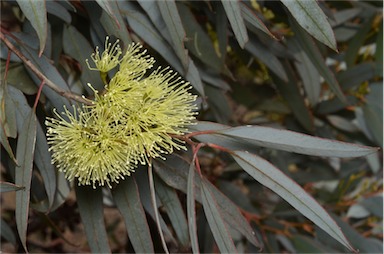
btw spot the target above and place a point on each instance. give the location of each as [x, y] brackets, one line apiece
[305, 66]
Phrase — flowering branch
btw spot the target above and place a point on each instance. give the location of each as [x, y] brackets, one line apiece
[41, 76]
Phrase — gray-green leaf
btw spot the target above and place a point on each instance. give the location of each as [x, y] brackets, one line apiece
[271, 177]
[310, 16]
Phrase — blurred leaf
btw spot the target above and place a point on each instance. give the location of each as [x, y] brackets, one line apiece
[280, 139]
[373, 112]
[107, 7]
[216, 222]
[374, 205]
[304, 244]
[7, 120]
[199, 43]
[233, 10]
[152, 9]
[113, 22]
[291, 93]
[358, 40]
[7, 187]
[379, 44]
[310, 16]
[77, 46]
[193, 76]
[342, 123]
[42, 159]
[265, 55]
[219, 104]
[221, 30]
[36, 13]
[312, 51]
[340, 17]
[250, 16]
[173, 208]
[90, 203]
[6, 232]
[19, 78]
[6, 145]
[269, 176]
[356, 75]
[23, 174]
[307, 71]
[173, 21]
[357, 211]
[126, 196]
[59, 11]
[191, 209]
[7, 112]
[359, 242]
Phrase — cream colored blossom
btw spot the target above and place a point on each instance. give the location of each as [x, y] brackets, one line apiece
[109, 59]
[133, 120]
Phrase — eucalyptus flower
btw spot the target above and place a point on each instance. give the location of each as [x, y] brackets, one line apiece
[135, 119]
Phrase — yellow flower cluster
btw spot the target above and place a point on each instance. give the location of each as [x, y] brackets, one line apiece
[132, 121]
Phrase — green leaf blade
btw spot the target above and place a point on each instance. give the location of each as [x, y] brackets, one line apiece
[170, 14]
[7, 187]
[127, 198]
[233, 10]
[36, 13]
[310, 16]
[90, 202]
[216, 221]
[191, 209]
[23, 175]
[271, 177]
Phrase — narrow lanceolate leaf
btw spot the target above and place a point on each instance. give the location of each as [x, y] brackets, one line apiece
[233, 10]
[310, 16]
[175, 27]
[313, 52]
[297, 142]
[90, 202]
[23, 174]
[254, 20]
[216, 221]
[106, 5]
[174, 210]
[36, 13]
[126, 196]
[271, 177]
[7, 187]
[47, 171]
[191, 212]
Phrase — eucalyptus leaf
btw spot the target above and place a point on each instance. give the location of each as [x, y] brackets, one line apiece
[191, 208]
[173, 21]
[36, 13]
[7, 187]
[268, 175]
[23, 174]
[216, 221]
[233, 10]
[310, 16]
[282, 140]
[127, 199]
[90, 205]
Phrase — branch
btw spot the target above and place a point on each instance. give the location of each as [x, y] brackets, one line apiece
[41, 76]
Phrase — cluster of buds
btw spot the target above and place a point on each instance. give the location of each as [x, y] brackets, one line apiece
[134, 119]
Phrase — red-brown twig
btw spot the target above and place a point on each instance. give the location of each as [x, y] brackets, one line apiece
[41, 76]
